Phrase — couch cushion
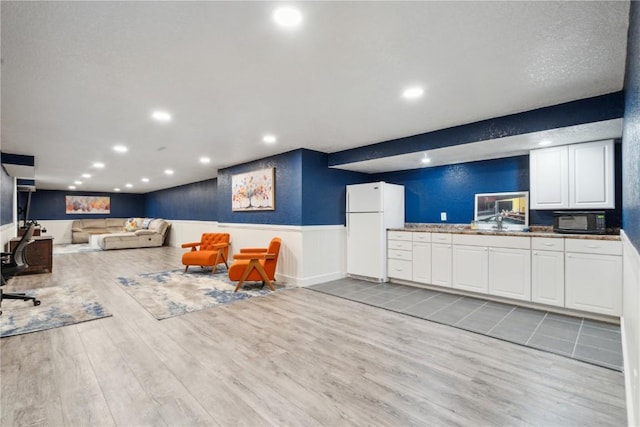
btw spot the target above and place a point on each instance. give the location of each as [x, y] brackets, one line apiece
[94, 223]
[143, 232]
[159, 226]
[115, 222]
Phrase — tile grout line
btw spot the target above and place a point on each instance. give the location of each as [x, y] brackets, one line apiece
[446, 306]
[477, 308]
[575, 345]
[416, 303]
[537, 327]
[500, 321]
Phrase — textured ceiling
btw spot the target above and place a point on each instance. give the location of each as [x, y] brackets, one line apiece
[80, 77]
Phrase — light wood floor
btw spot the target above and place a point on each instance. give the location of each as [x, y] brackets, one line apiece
[296, 357]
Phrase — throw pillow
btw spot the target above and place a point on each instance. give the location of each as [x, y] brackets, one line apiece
[146, 222]
[131, 225]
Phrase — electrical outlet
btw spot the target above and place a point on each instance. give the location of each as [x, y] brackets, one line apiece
[443, 216]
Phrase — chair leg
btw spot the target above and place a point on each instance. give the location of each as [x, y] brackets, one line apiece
[254, 264]
[186, 267]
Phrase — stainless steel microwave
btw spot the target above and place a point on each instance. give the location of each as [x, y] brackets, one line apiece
[591, 222]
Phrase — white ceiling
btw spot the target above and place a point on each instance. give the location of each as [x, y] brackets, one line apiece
[80, 77]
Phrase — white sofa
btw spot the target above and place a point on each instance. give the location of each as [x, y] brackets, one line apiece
[146, 234]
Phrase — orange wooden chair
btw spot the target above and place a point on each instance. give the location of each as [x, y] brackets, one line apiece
[256, 264]
[211, 250]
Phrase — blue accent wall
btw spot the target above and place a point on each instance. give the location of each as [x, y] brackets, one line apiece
[631, 131]
[324, 189]
[588, 110]
[197, 201]
[50, 205]
[288, 191]
[7, 190]
[452, 188]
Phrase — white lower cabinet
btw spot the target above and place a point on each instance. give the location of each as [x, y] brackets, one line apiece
[547, 271]
[593, 276]
[399, 255]
[441, 264]
[510, 273]
[470, 268]
[422, 262]
[579, 274]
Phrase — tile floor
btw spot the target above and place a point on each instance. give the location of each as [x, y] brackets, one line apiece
[587, 340]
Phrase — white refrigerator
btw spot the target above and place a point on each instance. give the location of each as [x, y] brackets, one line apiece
[371, 209]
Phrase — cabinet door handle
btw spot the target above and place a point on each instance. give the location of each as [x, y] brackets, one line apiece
[569, 256]
[549, 244]
[593, 246]
[535, 253]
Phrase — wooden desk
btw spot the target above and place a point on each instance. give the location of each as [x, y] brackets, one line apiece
[39, 254]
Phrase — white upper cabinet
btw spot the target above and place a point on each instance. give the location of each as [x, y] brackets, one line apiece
[578, 176]
[549, 178]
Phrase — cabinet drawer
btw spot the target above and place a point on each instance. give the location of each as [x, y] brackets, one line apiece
[399, 244]
[398, 254]
[591, 246]
[400, 269]
[421, 237]
[513, 242]
[547, 244]
[441, 237]
[399, 235]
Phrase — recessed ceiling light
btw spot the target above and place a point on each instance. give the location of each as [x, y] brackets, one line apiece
[116, 189]
[413, 92]
[86, 175]
[168, 171]
[77, 182]
[161, 116]
[269, 139]
[205, 160]
[128, 185]
[425, 160]
[287, 16]
[145, 180]
[72, 187]
[544, 142]
[98, 165]
[120, 148]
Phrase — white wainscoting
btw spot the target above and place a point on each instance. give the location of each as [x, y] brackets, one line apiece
[7, 232]
[309, 254]
[630, 325]
[59, 229]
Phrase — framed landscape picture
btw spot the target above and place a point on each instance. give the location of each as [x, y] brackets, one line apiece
[253, 191]
[88, 204]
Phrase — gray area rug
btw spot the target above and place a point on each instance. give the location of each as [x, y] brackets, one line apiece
[73, 248]
[173, 293]
[60, 306]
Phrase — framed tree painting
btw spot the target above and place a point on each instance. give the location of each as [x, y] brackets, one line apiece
[253, 191]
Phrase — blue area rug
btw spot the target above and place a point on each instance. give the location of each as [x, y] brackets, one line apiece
[60, 306]
[172, 293]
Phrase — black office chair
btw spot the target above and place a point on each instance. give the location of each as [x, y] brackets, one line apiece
[13, 263]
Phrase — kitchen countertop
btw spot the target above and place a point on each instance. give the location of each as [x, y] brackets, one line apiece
[535, 231]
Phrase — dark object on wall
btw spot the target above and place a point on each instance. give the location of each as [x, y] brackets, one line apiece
[15, 262]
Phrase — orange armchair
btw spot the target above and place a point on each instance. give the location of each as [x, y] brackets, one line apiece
[213, 249]
[256, 264]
